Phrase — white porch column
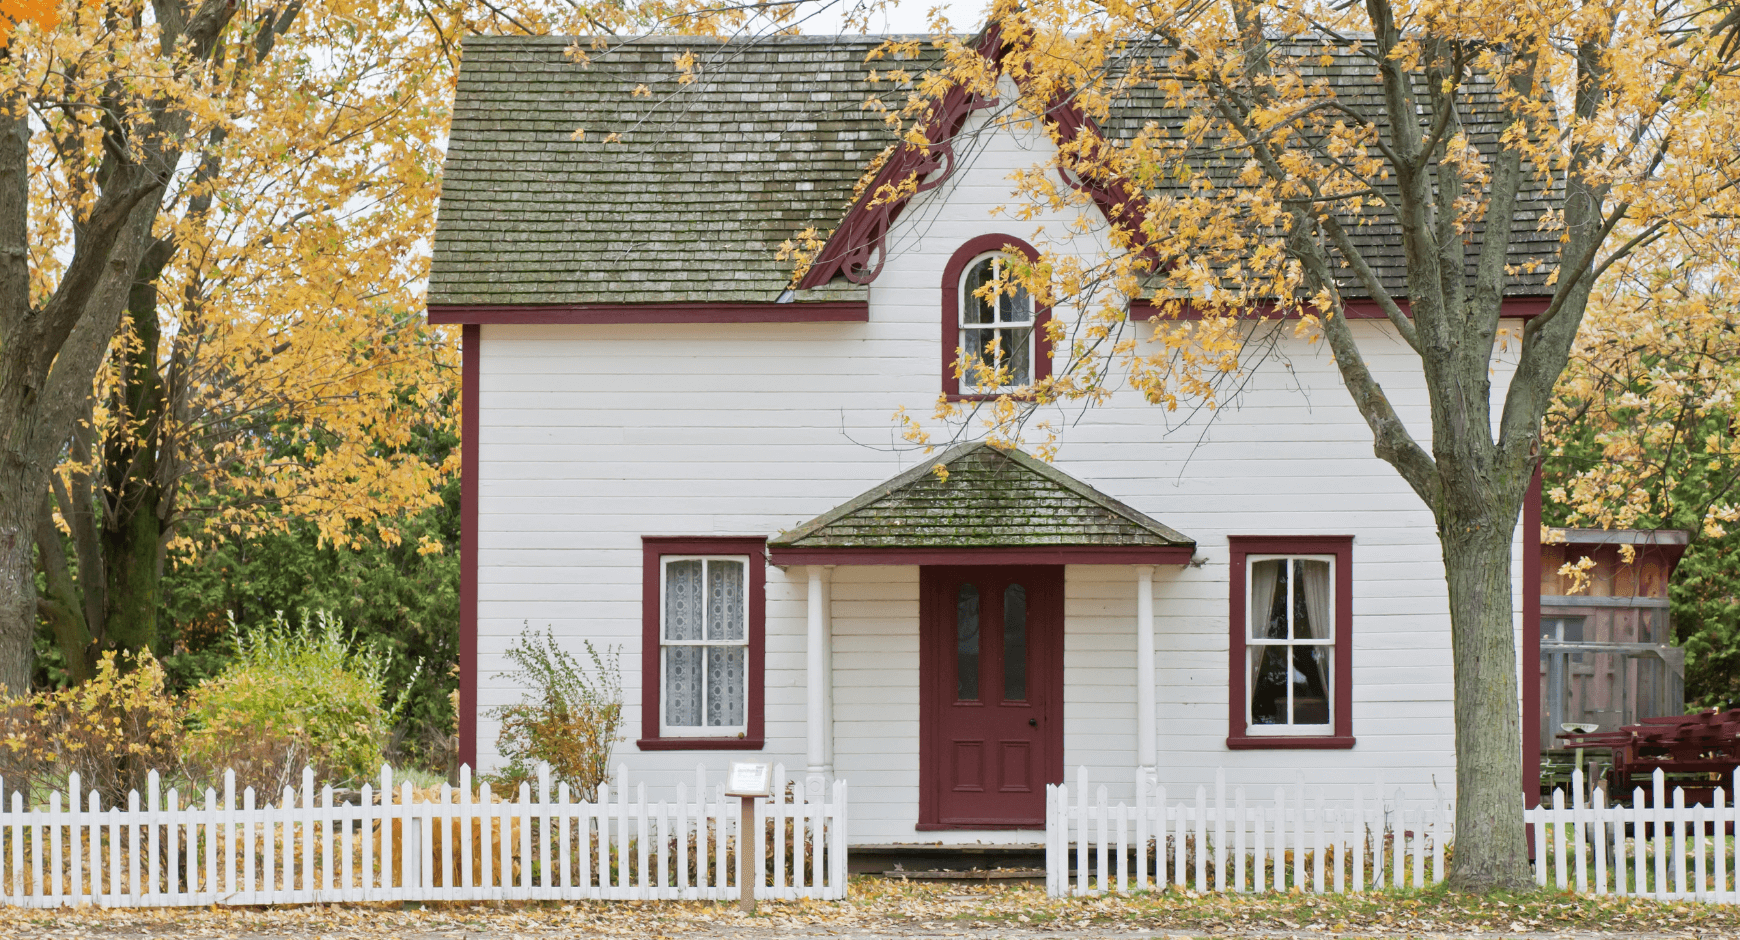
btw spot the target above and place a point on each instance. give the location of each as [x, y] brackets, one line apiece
[1147, 759]
[816, 684]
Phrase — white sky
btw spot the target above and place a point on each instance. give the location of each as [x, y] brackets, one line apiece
[907, 16]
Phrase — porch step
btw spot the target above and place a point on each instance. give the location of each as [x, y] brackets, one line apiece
[974, 874]
[947, 862]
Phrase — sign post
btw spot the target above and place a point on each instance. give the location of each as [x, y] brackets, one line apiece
[748, 782]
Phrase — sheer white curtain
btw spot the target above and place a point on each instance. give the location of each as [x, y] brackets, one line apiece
[1314, 578]
[1264, 576]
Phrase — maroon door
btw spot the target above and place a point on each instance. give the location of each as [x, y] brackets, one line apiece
[991, 674]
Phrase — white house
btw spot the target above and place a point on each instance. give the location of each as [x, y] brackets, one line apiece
[670, 450]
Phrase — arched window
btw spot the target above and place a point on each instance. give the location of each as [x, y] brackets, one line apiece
[996, 332]
[999, 339]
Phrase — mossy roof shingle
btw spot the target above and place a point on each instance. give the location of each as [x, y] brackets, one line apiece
[991, 498]
[707, 179]
[691, 204]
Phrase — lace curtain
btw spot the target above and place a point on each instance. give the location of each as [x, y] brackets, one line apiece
[706, 681]
[683, 621]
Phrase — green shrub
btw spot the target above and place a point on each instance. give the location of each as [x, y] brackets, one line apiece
[571, 716]
[305, 692]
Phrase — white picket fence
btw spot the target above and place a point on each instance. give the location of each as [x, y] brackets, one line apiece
[429, 845]
[1594, 848]
[1296, 840]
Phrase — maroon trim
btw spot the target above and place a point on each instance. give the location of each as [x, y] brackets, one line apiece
[1334, 742]
[992, 555]
[826, 311]
[701, 744]
[951, 312]
[1341, 546]
[469, 348]
[1122, 204]
[654, 546]
[933, 683]
[855, 249]
[1513, 308]
[1531, 647]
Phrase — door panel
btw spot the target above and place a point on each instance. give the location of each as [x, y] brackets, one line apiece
[1017, 767]
[991, 671]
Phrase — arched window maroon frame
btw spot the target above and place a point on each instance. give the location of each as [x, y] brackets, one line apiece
[951, 312]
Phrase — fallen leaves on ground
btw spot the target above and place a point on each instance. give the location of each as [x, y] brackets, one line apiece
[877, 906]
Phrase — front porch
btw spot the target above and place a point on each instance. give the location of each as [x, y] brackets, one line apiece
[957, 584]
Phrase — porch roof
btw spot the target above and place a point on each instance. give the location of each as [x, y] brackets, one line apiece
[991, 506]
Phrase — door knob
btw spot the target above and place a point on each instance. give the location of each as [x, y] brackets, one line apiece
[1033, 722]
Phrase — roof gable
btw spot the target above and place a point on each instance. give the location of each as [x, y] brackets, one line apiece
[991, 498]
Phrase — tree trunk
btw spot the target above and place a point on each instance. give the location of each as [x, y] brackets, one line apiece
[17, 585]
[132, 530]
[1476, 534]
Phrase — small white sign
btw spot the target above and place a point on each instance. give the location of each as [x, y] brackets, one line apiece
[747, 779]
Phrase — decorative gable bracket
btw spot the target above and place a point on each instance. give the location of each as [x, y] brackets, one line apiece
[855, 250]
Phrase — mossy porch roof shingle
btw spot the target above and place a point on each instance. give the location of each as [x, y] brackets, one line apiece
[709, 178]
[991, 499]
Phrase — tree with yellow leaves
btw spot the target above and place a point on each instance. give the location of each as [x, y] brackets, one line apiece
[1616, 117]
[273, 260]
[1645, 432]
[278, 296]
[212, 220]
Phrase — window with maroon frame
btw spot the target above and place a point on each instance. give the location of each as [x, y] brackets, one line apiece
[1001, 334]
[1291, 642]
[703, 629]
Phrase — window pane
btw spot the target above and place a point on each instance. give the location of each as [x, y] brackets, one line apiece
[683, 600]
[1311, 601]
[975, 352]
[725, 600]
[1310, 685]
[683, 686]
[1017, 357]
[974, 309]
[1269, 685]
[1015, 643]
[1019, 308]
[726, 698]
[967, 643]
[1269, 600]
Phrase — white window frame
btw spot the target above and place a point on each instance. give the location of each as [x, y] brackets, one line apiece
[1253, 642]
[703, 730]
[966, 302]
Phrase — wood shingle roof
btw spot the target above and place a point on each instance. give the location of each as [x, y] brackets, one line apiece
[690, 205]
[707, 179]
[990, 498]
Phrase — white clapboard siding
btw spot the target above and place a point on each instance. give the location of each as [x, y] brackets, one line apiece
[1290, 837]
[406, 846]
[1657, 847]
